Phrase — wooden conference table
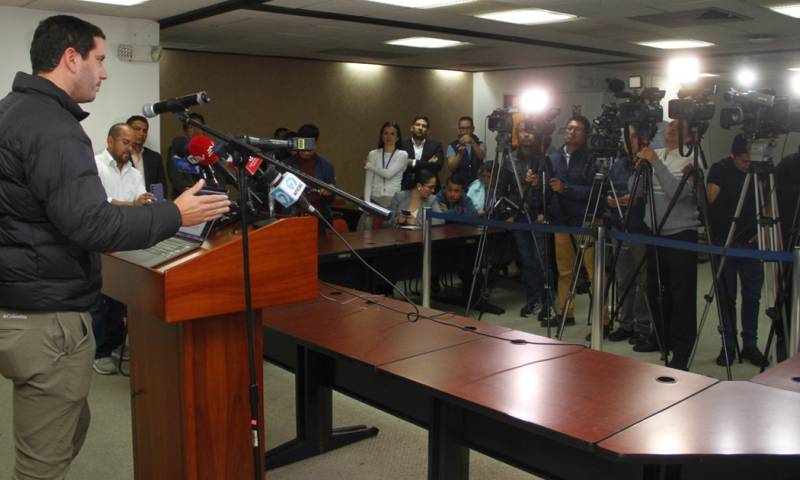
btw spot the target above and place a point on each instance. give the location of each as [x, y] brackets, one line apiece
[547, 407]
[397, 254]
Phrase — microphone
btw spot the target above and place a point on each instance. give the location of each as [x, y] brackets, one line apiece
[174, 105]
[276, 144]
[202, 151]
[289, 190]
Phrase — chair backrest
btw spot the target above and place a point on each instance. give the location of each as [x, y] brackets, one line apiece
[377, 222]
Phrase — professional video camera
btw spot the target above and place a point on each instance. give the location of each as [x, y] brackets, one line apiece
[760, 113]
[643, 108]
[541, 124]
[604, 142]
[694, 106]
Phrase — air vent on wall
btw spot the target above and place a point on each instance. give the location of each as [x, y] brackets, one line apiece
[691, 18]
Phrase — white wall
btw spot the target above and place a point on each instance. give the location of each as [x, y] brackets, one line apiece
[129, 85]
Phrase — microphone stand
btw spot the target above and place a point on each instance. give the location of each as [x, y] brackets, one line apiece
[240, 151]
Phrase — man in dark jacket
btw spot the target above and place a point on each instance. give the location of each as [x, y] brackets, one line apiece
[423, 153]
[571, 184]
[54, 218]
[145, 160]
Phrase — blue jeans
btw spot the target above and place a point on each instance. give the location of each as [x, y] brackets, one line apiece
[530, 263]
[751, 276]
[107, 324]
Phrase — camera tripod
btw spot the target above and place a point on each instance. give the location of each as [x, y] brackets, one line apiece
[601, 184]
[502, 158]
[768, 236]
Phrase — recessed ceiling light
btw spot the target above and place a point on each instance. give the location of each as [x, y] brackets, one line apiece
[708, 75]
[123, 3]
[425, 42]
[422, 3]
[528, 16]
[675, 44]
[790, 10]
[794, 69]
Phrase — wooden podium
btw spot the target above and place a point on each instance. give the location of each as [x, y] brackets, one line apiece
[188, 341]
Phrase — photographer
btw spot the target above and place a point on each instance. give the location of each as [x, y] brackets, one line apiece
[466, 153]
[524, 190]
[678, 268]
[571, 183]
[725, 182]
[634, 314]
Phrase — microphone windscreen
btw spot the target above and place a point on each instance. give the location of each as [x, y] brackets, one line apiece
[201, 151]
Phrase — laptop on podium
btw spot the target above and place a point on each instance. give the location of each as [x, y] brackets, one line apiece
[188, 239]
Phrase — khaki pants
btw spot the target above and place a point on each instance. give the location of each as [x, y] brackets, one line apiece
[49, 358]
[565, 261]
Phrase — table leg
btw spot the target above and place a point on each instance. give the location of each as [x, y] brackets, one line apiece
[314, 415]
[448, 458]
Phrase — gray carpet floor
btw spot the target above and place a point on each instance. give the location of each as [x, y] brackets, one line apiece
[398, 452]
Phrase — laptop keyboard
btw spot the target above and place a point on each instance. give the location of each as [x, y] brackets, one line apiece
[169, 246]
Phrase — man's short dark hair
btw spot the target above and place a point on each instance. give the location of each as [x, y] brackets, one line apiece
[485, 167]
[421, 117]
[424, 176]
[278, 131]
[739, 145]
[309, 130]
[457, 180]
[55, 35]
[113, 132]
[137, 118]
[467, 117]
[196, 116]
[587, 126]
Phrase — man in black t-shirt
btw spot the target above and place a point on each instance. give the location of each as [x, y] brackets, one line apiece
[725, 183]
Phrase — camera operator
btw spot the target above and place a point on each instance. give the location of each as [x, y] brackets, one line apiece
[678, 268]
[525, 189]
[573, 170]
[466, 153]
[725, 182]
[634, 314]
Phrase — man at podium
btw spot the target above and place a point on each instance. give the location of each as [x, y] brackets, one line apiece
[54, 219]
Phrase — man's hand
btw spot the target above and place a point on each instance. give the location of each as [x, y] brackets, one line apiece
[196, 209]
[433, 159]
[144, 199]
[557, 185]
[647, 154]
[624, 201]
[465, 139]
[443, 206]
[325, 193]
[532, 178]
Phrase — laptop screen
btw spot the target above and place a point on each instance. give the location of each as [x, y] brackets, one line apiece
[197, 233]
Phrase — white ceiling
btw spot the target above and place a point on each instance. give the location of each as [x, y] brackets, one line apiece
[355, 30]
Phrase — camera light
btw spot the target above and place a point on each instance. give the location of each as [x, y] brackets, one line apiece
[746, 77]
[684, 70]
[534, 101]
[794, 83]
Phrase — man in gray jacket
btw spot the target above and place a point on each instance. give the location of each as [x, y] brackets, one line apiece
[54, 218]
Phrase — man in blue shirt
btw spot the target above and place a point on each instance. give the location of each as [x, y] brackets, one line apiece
[465, 154]
[453, 200]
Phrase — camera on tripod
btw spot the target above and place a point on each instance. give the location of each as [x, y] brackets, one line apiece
[694, 106]
[760, 113]
[540, 123]
[604, 142]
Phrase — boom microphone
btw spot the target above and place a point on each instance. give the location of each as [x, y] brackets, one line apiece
[276, 144]
[174, 105]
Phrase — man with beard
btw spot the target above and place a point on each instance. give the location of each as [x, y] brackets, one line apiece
[423, 153]
[466, 153]
[146, 161]
[521, 186]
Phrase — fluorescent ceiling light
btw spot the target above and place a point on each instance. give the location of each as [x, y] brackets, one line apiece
[528, 16]
[675, 44]
[708, 75]
[422, 3]
[794, 69]
[425, 42]
[790, 10]
[124, 3]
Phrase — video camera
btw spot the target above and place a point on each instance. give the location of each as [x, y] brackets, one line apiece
[760, 113]
[541, 124]
[694, 106]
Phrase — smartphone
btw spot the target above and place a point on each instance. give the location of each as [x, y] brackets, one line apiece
[157, 189]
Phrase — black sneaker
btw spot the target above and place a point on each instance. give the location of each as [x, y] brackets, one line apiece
[637, 338]
[722, 362]
[754, 356]
[648, 344]
[619, 335]
[681, 363]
